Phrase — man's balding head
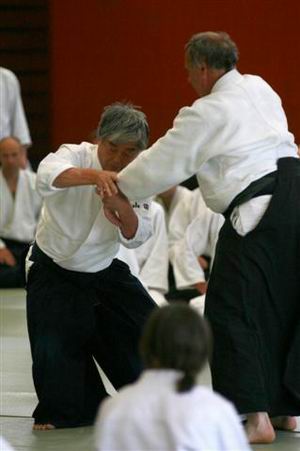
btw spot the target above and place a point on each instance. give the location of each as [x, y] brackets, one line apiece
[11, 152]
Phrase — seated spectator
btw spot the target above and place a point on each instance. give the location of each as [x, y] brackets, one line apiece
[165, 409]
[185, 211]
[20, 208]
[149, 262]
[170, 198]
[200, 238]
[12, 116]
[195, 240]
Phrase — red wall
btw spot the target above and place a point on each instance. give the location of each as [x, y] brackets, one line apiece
[108, 50]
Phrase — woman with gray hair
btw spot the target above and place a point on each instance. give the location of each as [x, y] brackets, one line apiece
[82, 303]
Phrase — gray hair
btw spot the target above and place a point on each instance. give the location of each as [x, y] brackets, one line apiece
[216, 49]
[122, 123]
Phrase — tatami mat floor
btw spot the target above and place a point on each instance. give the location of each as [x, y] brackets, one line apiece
[17, 397]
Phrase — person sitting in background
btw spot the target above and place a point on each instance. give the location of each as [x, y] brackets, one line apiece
[170, 198]
[12, 116]
[165, 408]
[200, 238]
[19, 212]
[149, 262]
[193, 234]
[183, 214]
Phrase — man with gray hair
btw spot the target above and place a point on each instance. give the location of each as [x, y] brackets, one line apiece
[235, 138]
[82, 303]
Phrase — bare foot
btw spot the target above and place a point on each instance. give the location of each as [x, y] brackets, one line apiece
[285, 423]
[259, 428]
[43, 427]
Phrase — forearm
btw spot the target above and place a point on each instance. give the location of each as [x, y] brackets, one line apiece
[76, 177]
[133, 221]
[129, 221]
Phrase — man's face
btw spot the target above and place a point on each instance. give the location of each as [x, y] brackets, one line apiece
[197, 77]
[114, 157]
[10, 155]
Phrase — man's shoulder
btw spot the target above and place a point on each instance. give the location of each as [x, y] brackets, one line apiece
[84, 152]
[205, 108]
[84, 146]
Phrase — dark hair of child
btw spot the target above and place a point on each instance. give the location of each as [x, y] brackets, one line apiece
[176, 337]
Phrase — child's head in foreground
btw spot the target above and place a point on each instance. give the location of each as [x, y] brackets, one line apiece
[176, 337]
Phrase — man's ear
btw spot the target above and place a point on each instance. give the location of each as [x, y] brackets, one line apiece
[203, 67]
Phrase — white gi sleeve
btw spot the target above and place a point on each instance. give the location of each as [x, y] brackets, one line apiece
[172, 159]
[2, 244]
[54, 164]
[144, 230]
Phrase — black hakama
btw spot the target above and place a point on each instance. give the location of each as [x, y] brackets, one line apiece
[74, 318]
[253, 305]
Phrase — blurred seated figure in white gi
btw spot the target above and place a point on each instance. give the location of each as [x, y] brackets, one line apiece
[149, 262]
[19, 211]
[12, 116]
[193, 237]
[185, 212]
[200, 238]
[170, 198]
[166, 409]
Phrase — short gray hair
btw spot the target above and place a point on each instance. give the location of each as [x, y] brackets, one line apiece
[122, 123]
[216, 49]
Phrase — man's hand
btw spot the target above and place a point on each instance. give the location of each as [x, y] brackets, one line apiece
[116, 202]
[113, 206]
[201, 287]
[106, 183]
[6, 257]
[119, 211]
[203, 263]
